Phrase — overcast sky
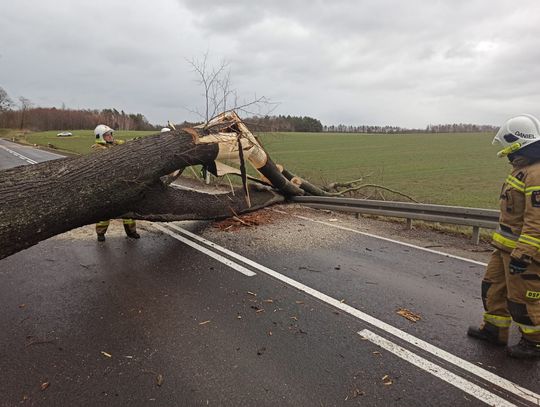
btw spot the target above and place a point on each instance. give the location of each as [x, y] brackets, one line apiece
[405, 63]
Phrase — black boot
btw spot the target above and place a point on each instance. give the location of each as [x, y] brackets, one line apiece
[525, 349]
[133, 235]
[100, 237]
[486, 334]
[131, 232]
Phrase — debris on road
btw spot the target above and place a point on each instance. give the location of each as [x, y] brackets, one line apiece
[106, 354]
[45, 385]
[249, 220]
[309, 269]
[159, 380]
[354, 394]
[411, 316]
[204, 322]
[387, 381]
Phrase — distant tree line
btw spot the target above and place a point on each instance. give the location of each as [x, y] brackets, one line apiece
[284, 123]
[460, 128]
[25, 116]
[51, 118]
[430, 128]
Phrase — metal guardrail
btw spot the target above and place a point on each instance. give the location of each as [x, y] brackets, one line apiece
[458, 215]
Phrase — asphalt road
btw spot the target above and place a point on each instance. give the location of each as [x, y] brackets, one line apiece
[13, 155]
[300, 310]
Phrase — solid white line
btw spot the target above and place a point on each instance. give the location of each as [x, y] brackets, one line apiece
[383, 238]
[215, 246]
[29, 160]
[437, 371]
[204, 250]
[448, 357]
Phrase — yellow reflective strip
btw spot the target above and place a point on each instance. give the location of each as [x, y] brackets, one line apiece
[530, 190]
[129, 222]
[518, 187]
[529, 329]
[533, 188]
[103, 223]
[527, 240]
[497, 320]
[510, 178]
[504, 240]
[531, 238]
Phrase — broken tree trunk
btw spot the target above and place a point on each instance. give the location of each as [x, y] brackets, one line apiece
[42, 200]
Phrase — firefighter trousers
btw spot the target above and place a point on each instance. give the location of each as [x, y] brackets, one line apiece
[130, 226]
[508, 297]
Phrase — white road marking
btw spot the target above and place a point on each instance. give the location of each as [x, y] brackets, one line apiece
[215, 246]
[437, 371]
[383, 238]
[22, 157]
[446, 356]
[204, 250]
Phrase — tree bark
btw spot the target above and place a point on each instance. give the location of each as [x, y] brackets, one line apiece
[42, 200]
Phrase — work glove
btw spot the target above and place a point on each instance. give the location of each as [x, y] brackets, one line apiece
[517, 266]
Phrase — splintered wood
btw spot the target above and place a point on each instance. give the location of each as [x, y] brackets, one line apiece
[251, 219]
[411, 316]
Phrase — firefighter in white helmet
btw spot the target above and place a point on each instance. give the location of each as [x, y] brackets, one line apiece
[511, 284]
[165, 130]
[105, 139]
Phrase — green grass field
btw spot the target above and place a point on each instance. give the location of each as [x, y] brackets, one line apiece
[81, 141]
[450, 169]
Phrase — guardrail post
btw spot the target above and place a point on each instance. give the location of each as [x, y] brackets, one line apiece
[476, 235]
[409, 224]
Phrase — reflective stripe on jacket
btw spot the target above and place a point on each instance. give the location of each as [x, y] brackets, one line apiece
[104, 146]
[519, 222]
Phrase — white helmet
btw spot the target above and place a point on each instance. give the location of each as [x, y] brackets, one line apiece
[165, 130]
[99, 131]
[516, 133]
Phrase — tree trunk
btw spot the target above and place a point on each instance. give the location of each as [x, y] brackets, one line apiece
[42, 200]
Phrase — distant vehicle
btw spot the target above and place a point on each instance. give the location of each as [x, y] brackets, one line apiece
[65, 134]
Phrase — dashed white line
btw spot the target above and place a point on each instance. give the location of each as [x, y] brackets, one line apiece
[204, 250]
[437, 371]
[442, 354]
[383, 238]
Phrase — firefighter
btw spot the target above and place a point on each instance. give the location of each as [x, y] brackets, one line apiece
[104, 140]
[511, 284]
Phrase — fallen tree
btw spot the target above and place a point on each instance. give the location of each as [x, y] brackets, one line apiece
[42, 200]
